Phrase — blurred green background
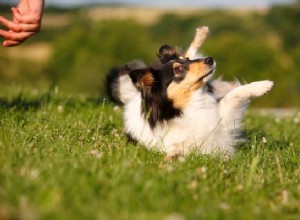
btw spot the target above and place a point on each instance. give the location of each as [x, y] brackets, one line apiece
[77, 47]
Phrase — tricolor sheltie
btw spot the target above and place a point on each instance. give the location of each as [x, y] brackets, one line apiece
[175, 107]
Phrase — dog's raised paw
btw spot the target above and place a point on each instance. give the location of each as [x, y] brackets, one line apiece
[261, 87]
[203, 31]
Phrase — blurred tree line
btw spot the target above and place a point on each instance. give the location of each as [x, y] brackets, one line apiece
[249, 47]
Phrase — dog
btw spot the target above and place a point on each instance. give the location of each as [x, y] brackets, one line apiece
[174, 106]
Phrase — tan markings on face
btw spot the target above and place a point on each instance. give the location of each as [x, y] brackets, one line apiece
[180, 92]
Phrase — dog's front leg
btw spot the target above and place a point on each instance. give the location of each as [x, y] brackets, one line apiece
[233, 105]
[200, 37]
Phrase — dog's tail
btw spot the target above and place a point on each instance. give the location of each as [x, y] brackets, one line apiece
[119, 86]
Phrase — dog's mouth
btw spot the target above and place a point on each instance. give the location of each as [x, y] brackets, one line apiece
[206, 75]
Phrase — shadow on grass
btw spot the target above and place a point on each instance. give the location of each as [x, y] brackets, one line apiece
[25, 104]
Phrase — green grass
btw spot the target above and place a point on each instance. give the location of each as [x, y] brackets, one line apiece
[64, 157]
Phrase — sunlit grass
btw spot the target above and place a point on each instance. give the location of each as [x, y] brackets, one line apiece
[66, 157]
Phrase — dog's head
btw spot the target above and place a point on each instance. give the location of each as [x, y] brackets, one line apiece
[166, 90]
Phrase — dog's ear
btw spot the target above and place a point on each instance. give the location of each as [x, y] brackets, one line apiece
[167, 53]
[143, 79]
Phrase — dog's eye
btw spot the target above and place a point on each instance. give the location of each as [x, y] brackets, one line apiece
[178, 70]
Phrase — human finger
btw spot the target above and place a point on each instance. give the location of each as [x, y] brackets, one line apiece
[11, 43]
[15, 36]
[3, 20]
[19, 27]
[16, 14]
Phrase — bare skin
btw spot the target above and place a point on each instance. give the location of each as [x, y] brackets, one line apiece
[27, 17]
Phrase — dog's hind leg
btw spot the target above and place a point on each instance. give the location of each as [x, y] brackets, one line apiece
[233, 105]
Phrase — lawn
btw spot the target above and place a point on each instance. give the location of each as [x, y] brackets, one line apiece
[65, 157]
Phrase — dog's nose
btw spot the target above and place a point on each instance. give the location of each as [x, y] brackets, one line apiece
[209, 60]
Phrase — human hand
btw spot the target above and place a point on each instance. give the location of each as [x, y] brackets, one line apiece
[27, 17]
